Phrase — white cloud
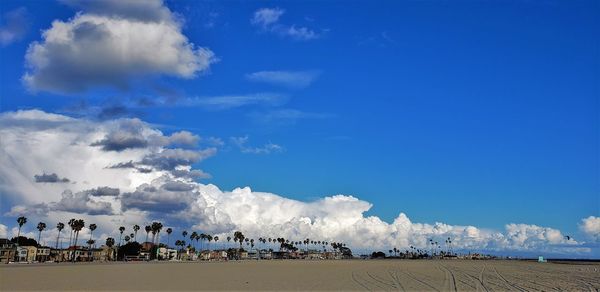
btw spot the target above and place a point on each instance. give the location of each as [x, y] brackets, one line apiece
[82, 202]
[224, 102]
[286, 116]
[241, 143]
[32, 140]
[110, 44]
[3, 231]
[267, 19]
[292, 79]
[147, 10]
[591, 227]
[14, 26]
[184, 138]
[266, 16]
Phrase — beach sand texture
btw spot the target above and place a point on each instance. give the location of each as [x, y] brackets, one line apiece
[385, 275]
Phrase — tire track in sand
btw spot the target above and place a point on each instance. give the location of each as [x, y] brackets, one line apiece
[450, 280]
[373, 283]
[420, 281]
[508, 283]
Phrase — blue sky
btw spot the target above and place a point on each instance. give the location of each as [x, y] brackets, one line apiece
[466, 112]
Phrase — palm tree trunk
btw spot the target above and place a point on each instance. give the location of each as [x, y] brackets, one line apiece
[75, 245]
[57, 244]
[18, 235]
[119, 247]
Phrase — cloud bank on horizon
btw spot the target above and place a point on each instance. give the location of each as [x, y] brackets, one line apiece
[125, 172]
[121, 172]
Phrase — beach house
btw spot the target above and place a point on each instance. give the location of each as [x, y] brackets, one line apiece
[42, 254]
[8, 250]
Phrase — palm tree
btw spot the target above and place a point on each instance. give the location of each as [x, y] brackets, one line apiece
[177, 243]
[156, 227]
[193, 236]
[71, 222]
[202, 237]
[209, 238]
[60, 226]
[77, 226]
[21, 221]
[127, 238]
[148, 228]
[216, 238]
[91, 242]
[121, 230]
[110, 242]
[228, 240]
[239, 236]
[169, 231]
[92, 228]
[41, 226]
[135, 230]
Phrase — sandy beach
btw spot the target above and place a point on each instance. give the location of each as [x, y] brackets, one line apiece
[305, 275]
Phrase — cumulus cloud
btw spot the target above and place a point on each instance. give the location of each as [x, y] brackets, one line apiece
[161, 195]
[14, 25]
[3, 231]
[184, 138]
[50, 178]
[178, 186]
[39, 210]
[591, 227]
[291, 79]
[111, 43]
[131, 133]
[121, 140]
[169, 159]
[190, 173]
[104, 191]
[241, 143]
[82, 202]
[34, 139]
[148, 10]
[267, 19]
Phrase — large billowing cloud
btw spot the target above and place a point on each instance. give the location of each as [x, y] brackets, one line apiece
[111, 43]
[591, 227]
[122, 196]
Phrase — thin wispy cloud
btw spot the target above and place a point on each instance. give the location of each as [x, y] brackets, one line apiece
[242, 144]
[290, 79]
[286, 116]
[224, 102]
[382, 40]
[267, 19]
[14, 25]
